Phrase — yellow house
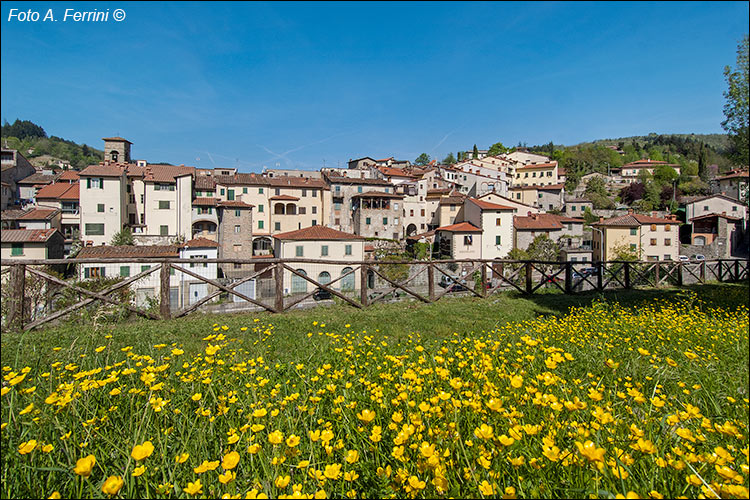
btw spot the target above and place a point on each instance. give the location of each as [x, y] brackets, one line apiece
[651, 238]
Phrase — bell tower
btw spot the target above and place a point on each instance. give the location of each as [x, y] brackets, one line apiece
[116, 150]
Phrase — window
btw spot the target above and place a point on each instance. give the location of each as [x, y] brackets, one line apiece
[367, 221]
[124, 271]
[141, 198]
[132, 198]
[163, 230]
[385, 221]
[192, 264]
[347, 250]
[230, 194]
[337, 221]
[95, 183]
[315, 222]
[302, 210]
[16, 249]
[667, 257]
[204, 210]
[632, 246]
[653, 227]
[222, 191]
[653, 242]
[705, 208]
[570, 226]
[734, 208]
[277, 191]
[237, 248]
[143, 218]
[260, 190]
[395, 206]
[411, 213]
[573, 259]
[422, 212]
[667, 241]
[237, 265]
[338, 189]
[94, 272]
[237, 228]
[453, 208]
[336, 206]
[277, 226]
[244, 190]
[668, 227]
[299, 251]
[94, 229]
[145, 267]
[549, 174]
[387, 190]
[468, 240]
[260, 209]
[633, 231]
[314, 210]
[324, 251]
[304, 193]
[163, 204]
[497, 240]
[100, 207]
[260, 224]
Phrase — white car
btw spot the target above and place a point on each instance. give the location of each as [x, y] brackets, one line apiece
[699, 256]
[683, 258]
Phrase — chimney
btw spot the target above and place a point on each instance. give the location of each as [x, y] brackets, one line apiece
[601, 219]
[630, 211]
[653, 214]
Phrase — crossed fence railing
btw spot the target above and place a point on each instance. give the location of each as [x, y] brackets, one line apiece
[277, 285]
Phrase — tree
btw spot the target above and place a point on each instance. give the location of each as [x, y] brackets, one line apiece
[703, 172]
[664, 174]
[625, 252]
[476, 152]
[596, 191]
[737, 103]
[449, 160]
[124, 237]
[422, 160]
[589, 217]
[497, 149]
[23, 130]
[543, 248]
[632, 192]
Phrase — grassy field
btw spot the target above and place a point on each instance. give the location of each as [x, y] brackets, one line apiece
[628, 392]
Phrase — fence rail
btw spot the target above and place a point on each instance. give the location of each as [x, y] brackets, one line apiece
[277, 285]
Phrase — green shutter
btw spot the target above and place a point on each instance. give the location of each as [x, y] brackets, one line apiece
[16, 249]
[260, 224]
[101, 182]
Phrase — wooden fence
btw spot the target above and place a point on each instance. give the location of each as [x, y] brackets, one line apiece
[360, 284]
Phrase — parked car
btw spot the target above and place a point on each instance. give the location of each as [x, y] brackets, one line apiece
[683, 258]
[699, 256]
[321, 294]
[445, 281]
[590, 271]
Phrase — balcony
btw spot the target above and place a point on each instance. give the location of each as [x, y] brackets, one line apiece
[202, 215]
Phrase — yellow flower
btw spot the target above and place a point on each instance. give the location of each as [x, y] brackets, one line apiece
[85, 465]
[48, 448]
[292, 441]
[486, 488]
[332, 471]
[516, 381]
[196, 397]
[366, 416]
[350, 476]
[484, 432]
[282, 481]
[227, 477]
[27, 409]
[27, 447]
[352, 456]
[415, 483]
[590, 451]
[55, 494]
[112, 485]
[181, 459]
[611, 364]
[253, 449]
[260, 412]
[233, 439]
[142, 451]
[195, 488]
[230, 460]
[505, 440]
[693, 480]
[139, 470]
[276, 437]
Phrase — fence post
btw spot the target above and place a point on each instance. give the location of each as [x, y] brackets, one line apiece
[568, 277]
[483, 276]
[703, 271]
[16, 299]
[736, 270]
[721, 272]
[657, 268]
[679, 274]
[164, 304]
[626, 267]
[600, 276]
[363, 284]
[279, 295]
[528, 278]
[431, 281]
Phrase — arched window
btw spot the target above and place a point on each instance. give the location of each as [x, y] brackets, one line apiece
[347, 283]
[699, 240]
[324, 278]
[114, 156]
[370, 279]
[278, 209]
[291, 209]
[299, 285]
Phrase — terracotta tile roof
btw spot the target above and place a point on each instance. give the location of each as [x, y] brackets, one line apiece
[377, 194]
[284, 197]
[56, 191]
[13, 214]
[395, 172]
[317, 233]
[486, 205]
[337, 179]
[68, 175]
[205, 202]
[204, 183]
[116, 139]
[72, 194]
[235, 204]
[461, 227]
[103, 170]
[724, 216]
[734, 175]
[506, 199]
[438, 191]
[453, 199]
[38, 179]
[166, 173]
[551, 187]
[647, 163]
[40, 214]
[722, 196]
[428, 234]
[201, 243]
[107, 251]
[241, 179]
[543, 221]
[538, 165]
[631, 220]
[26, 235]
[296, 182]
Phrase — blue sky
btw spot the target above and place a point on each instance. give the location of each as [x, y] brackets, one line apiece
[294, 84]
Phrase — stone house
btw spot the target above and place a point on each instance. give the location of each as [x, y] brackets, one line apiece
[377, 214]
[28, 244]
[652, 238]
[567, 232]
